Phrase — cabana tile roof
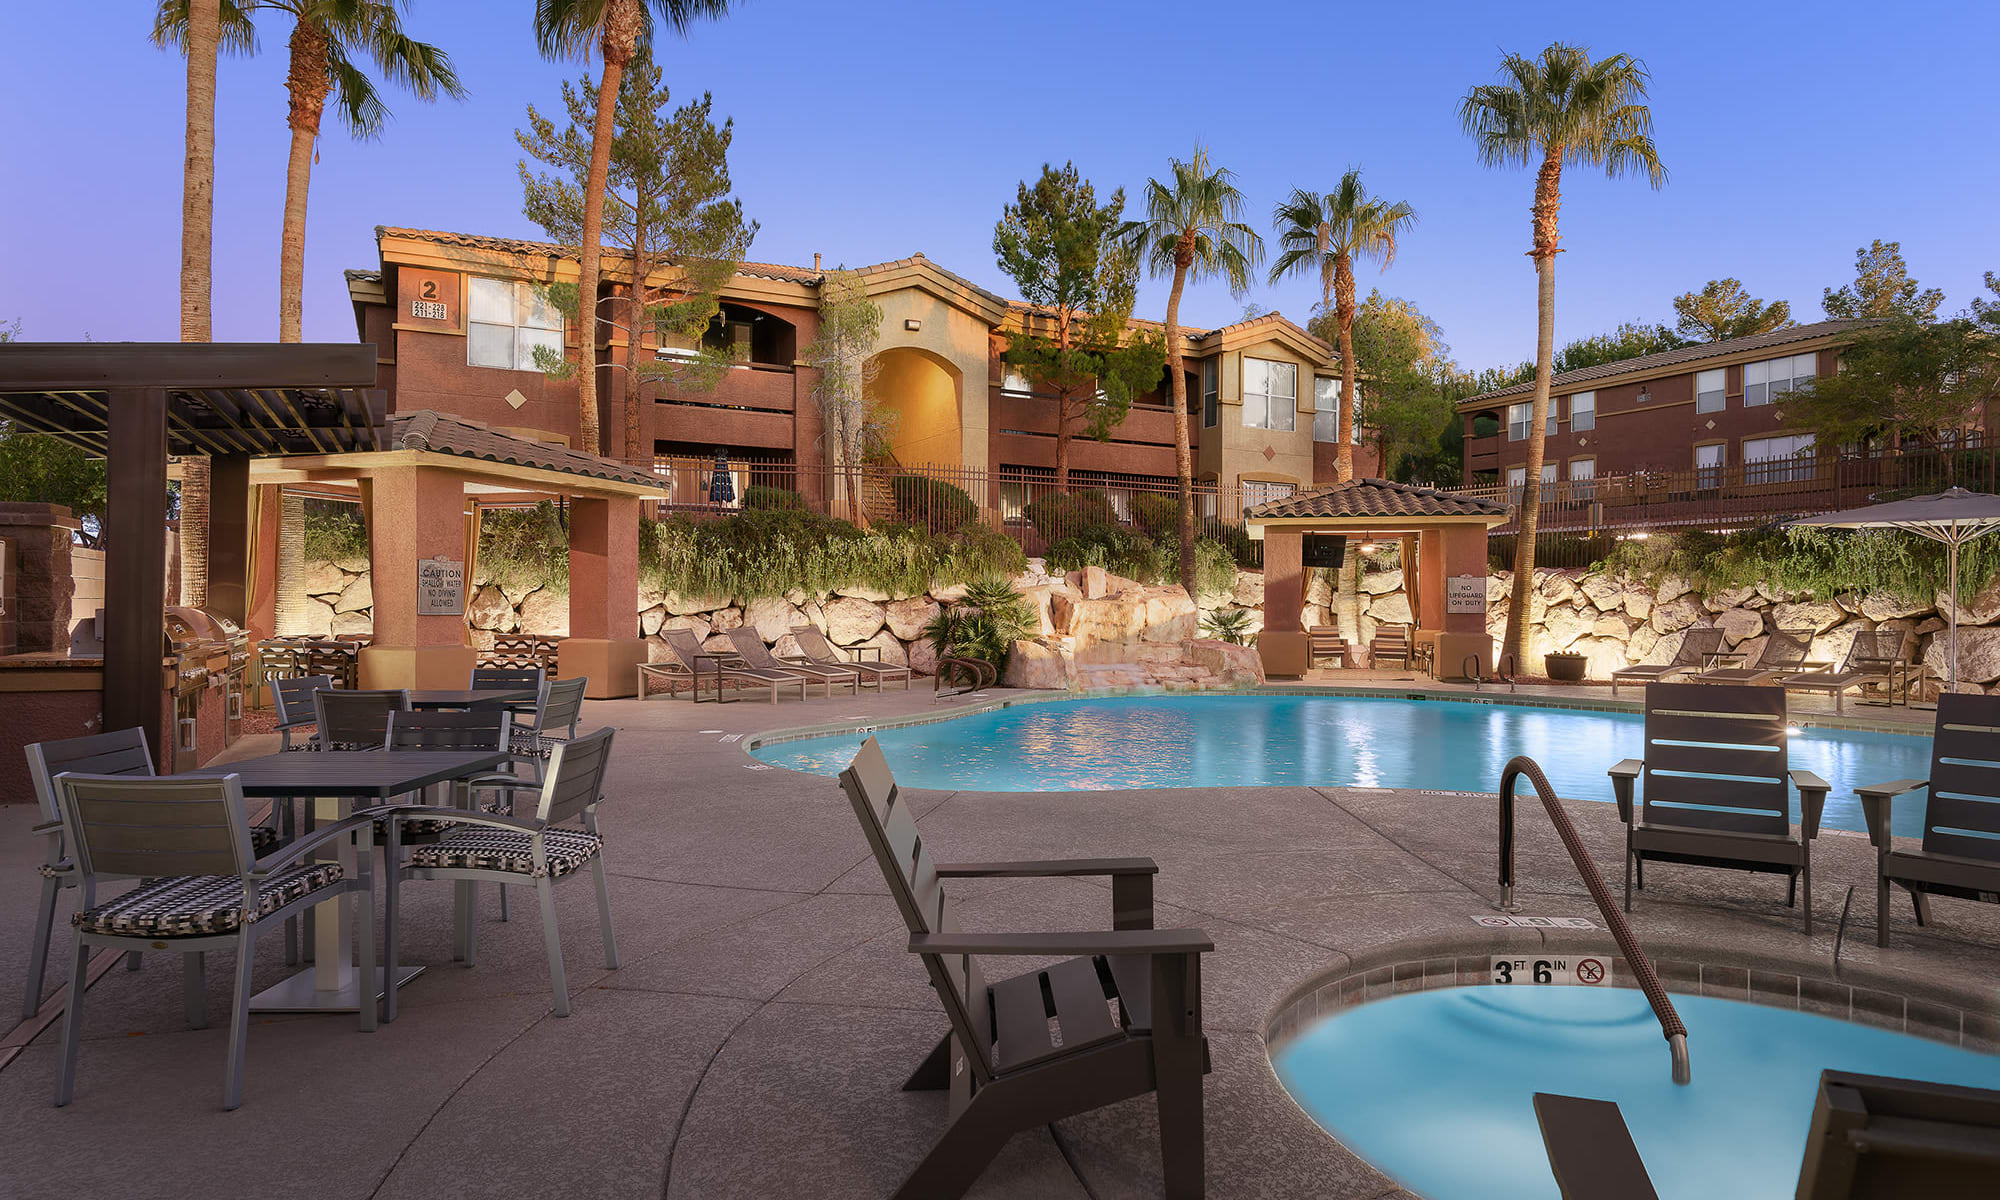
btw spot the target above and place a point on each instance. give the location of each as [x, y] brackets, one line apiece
[440, 434]
[1377, 498]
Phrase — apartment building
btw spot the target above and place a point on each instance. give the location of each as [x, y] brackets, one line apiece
[1715, 409]
[456, 319]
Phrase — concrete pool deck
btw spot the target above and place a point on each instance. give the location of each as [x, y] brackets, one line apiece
[766, 1013]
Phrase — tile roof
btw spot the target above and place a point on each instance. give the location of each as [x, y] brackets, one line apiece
[1671, 358]
[1377, 498]
[440, 434]
[918, 258]
[476, 241]
[355, 275]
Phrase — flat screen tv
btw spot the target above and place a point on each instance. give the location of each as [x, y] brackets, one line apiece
[1324, 550]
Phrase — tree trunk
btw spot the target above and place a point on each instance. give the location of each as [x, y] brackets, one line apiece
[1548, 199]
[1343, 314]
[308, 85]
[1183, 457]
[198, 171]
[621, 32]
[1065, 399]
[635, 309]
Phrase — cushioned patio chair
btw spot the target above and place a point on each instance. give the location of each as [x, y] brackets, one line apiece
[556, 711]
[1120, 1020]
[292, 701]
[1784, 654]
[201, 888]
[1959, 855]
[814, 648]
[689, 660]
[1714, 783]
[1324, 644]
[757, 656]
[123, 752]
[493, 848]
[1697, 653]
[1391, 644]
[1874, 658]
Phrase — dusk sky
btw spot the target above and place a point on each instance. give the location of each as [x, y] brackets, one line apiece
[1793, 134]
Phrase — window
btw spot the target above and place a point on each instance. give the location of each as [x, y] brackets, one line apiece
[1012, 380]
[1710, 390]
[1518, 416]
[1014, 499]
[1582, 474]
[1549, 424]
[506, 320]
[1208, 381]
[1270, 394]
[1779, 459]
[1257, 492]
[1356, 426]
[1517, 477]
[1708, 466]
[1764, 382]
[1582, 412]
[1326, 409]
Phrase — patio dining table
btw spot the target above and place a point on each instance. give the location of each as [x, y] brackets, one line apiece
[333, 780]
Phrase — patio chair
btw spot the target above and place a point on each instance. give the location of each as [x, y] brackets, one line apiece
[1044, 1045]
[125, 753]
[1872, 1135]
[528, 679]
[292, 699]
[1959, 855]
[1874, 658]
[1324, 643]
[1782, 654]
[350, 719]
[1697, 653]
[1391, 644]
[1715, 776]
[201, 888]
[557, 710]
[755, 654]
[689, 656]
[492, 848]
[816, 649]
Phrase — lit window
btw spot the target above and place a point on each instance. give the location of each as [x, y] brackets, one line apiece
[1326, 409]
[1270, 394]
[505, 321]
[1779, 459]
[1012, 380]
[1208, 384]
[1764, 382]
[1582, 474]
[1711, 390]
[1518, 416]
[1582, 412]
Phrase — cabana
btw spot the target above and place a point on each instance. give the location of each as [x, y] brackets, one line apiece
[1443, 538]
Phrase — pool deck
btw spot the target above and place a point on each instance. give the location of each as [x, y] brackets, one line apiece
[754, 1040]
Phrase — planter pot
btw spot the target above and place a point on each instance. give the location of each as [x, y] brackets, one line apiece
[1564, 668]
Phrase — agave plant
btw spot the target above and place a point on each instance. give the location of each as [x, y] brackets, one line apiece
[985, 624]
[1232, 625]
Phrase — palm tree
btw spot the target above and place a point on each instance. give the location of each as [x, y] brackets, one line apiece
[566, 29]
[327, 36]
[1557, 109]
[1324, 235]
[1191, 232]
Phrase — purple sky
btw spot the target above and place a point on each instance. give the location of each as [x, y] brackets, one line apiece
[1794, 134]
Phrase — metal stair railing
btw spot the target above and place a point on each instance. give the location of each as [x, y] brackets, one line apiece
[1649, 981]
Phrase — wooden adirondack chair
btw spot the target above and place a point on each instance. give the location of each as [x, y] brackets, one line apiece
[1715, 787]
[1007, 1070]
[1960, 854]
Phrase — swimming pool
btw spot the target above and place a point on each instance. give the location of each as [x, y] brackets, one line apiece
[1315, 741]
[1435, 1088]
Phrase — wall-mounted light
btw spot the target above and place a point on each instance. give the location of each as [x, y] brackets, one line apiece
[1368, 547]
[912, 324]
[1645, 396]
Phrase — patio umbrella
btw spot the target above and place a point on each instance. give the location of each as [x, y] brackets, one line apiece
[721, 487]
[1953, 517]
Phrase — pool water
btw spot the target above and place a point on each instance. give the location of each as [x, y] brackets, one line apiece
[1436, 1088]
[1317, 741]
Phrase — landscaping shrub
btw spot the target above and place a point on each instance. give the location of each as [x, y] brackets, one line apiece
[1821, 562]
[932, 503]
[1214, 566]
[1232, 625]
[1113, 547]
[334, 531]
[984, 625]
[1157, 516]
[1056, 516]
[528, 545]
[978, 549]
[1236, 539]
[759, 496]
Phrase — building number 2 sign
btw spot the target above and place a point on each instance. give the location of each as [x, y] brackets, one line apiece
[427, 306]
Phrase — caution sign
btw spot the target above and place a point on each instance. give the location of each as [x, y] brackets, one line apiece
[440, 587]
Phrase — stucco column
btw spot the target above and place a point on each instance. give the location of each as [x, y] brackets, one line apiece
[1282, 644]
[261, 619]
[603, 641]
[414, 513]
[1447, 551]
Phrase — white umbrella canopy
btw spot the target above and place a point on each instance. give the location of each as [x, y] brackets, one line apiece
[1954, 517]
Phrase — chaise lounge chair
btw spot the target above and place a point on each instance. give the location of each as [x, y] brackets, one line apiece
[1960, 854]
[1715, 795]
[1697, 653]
[1324, 643]
[1391, 644]
[1783, 654]
[815, 649]
[727, 668]
[756, 655]
[1050, 1043]
[1873, 659]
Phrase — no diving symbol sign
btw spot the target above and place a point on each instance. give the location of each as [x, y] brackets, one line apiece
[1589, 970]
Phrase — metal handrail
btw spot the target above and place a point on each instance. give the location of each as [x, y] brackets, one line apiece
[1649, 981]
[1475, 660]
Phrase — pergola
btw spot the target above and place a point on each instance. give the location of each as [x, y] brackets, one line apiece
[1443, 538]
[137, 403]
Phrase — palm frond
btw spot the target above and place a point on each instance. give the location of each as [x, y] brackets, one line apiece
[238, 34]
